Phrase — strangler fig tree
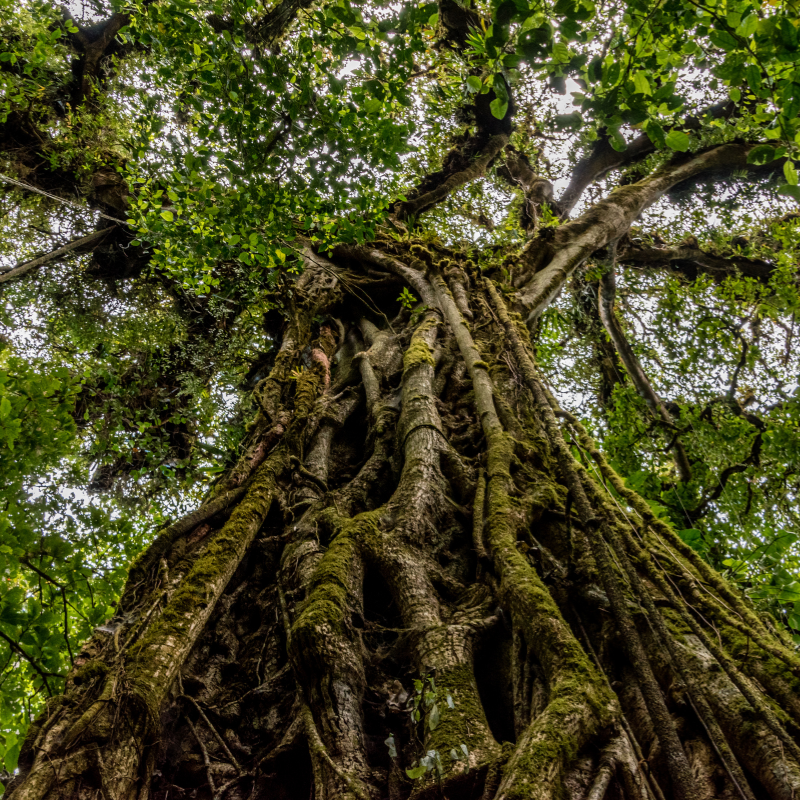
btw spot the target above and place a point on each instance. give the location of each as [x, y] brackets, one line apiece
[469, 331]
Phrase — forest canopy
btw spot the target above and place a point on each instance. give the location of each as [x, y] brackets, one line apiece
[174, 175]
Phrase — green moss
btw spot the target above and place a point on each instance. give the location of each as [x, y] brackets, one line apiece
[466, 722]
[746, 653]
[418, 350]
[306, 391]
[89, 671]
[145, 665]
[327, 605]
[577, 689]
[422, 252]
[501, 450]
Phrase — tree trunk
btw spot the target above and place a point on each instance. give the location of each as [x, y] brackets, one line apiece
[420, 564]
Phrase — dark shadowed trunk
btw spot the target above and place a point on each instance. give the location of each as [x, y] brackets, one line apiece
[420, 563]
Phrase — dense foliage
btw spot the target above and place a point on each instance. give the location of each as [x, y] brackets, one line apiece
[206, 143]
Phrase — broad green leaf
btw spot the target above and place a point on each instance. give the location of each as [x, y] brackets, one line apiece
[761, 154]
[642, 84]
[434, 717]
[789, 190]
[678, 140]
[560, 52]
[498, 107]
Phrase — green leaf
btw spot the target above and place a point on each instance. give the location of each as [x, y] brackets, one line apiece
[498, 107]
[572, 121]
[641, 84]
[167, 215]
[617, 139]
[790, 173]
[560, 53]
[790, 191]
[416, 772]
[748, 26]
[655, 133]
[474, 83]
[692, 537]
[678, 140]
[5, 407]
[723, 40]
[752, 75]
[761, 154]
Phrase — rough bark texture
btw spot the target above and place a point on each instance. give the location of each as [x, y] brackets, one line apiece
[408, 562]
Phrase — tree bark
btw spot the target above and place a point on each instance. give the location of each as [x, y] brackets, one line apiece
[388, 596]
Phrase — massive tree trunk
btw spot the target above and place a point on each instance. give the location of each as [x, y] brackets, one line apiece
[420, 563]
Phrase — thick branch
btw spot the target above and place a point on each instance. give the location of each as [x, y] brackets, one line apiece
[27, 266]
[603, 157]
[599, 534]
[609, 219]
[518, 173]
[96, 41]
[689, 260]
[453, 175]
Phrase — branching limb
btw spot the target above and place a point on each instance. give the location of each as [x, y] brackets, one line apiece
[537, 190]
[634, 368]
[603, 157]
[455, 174]
[690, 260]
[599, 533]
[572, 714]
[39, 671]
[96, 43]
[609, 219]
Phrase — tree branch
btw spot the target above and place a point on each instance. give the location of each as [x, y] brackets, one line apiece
[27, 266]
[518, 173]
[42, 674]
[634, 368]
[724, 477]
[95, 42]
[460, 167]
[609, 219]
[603, 157]
[690, 260]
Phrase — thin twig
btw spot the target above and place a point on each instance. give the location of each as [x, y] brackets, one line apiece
[42, 674]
